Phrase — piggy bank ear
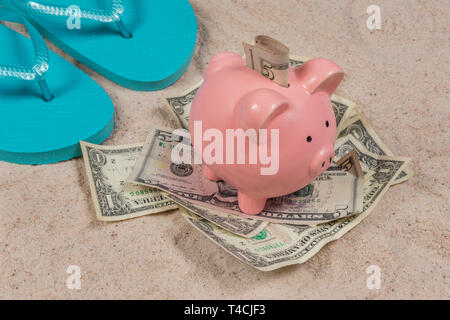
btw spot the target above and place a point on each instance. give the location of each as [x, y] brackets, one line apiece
[319, 75]
[258, 107]
[223, 60]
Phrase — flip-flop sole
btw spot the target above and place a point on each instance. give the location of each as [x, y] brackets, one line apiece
[33, 131]
[164, 35]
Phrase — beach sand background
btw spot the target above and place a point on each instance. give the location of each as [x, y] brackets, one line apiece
[398, 76]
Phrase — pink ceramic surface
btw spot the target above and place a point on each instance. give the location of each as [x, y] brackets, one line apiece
[234, 96]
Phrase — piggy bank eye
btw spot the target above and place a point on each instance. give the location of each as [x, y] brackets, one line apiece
[327, 124]
[308, 138]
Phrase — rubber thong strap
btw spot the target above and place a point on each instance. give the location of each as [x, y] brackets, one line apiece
[41, 65]
[103, 16]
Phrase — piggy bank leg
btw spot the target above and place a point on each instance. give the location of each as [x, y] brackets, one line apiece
[207, 172]
[250, 204]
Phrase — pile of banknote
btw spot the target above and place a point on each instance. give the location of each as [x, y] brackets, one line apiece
[135, 180]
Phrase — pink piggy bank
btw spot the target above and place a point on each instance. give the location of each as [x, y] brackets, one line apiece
[234, 97]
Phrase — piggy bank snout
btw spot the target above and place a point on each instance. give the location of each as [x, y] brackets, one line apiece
[321, 160]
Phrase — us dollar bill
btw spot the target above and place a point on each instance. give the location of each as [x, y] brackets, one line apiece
[351, 163]
[342, 107]
[268, 57]
[334, 194]
[280, 245]
[241, 226]
[107, 169]
[359, 127]
[296, 61]
[115, 199]
[181, 104]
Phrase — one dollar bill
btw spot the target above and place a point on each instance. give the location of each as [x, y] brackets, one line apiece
[239, 225]
[107, 169]
[280, 245]
[359, 127]
[334, 194]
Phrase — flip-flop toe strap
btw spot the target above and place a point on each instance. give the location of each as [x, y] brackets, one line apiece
[41, 66]
[74, 11]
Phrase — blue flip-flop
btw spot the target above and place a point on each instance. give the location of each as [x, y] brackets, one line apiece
[139, 44]
[47, 105]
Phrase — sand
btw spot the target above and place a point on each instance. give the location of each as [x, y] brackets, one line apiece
[399, 78]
